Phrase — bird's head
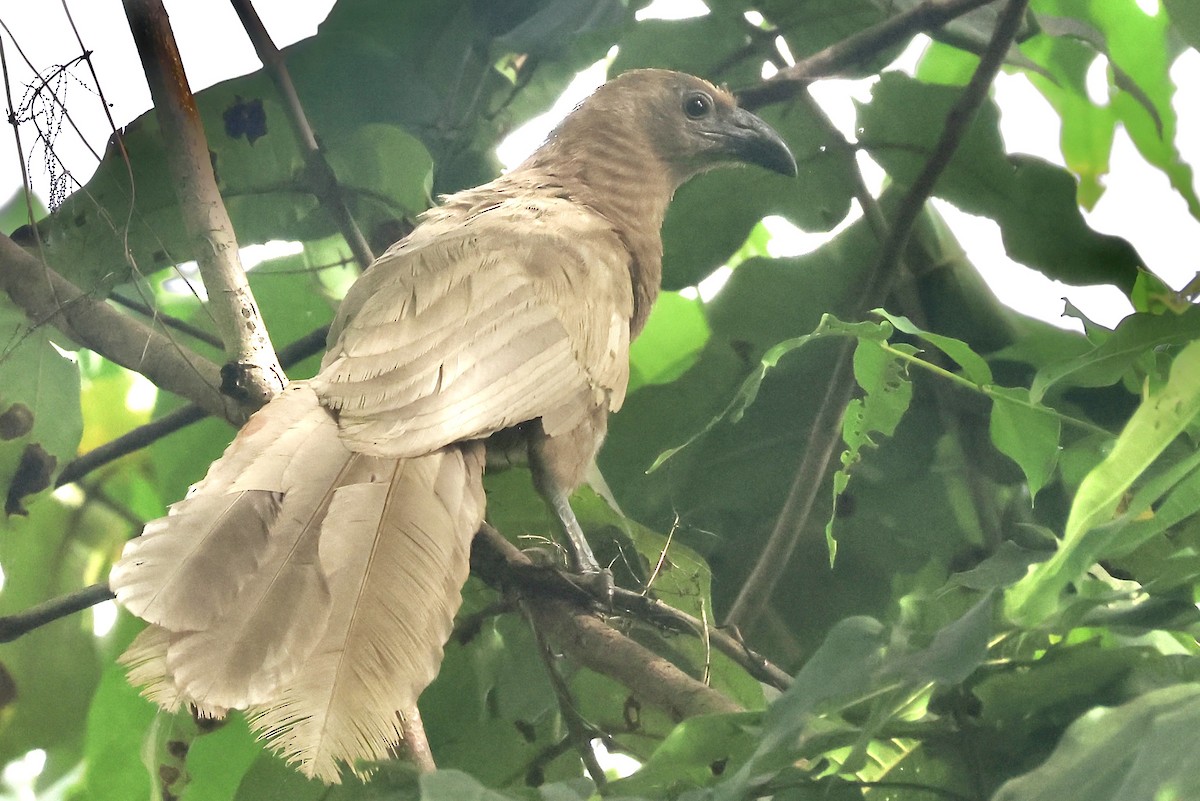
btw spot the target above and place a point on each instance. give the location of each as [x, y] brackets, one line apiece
[690, 125]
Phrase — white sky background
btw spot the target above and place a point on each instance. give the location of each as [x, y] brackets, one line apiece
[1138, 204]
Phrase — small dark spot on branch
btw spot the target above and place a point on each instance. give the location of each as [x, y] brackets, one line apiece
[177, 749]
[17, 421]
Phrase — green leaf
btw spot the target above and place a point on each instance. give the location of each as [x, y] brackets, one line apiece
[956, 651]
[1033, 202]
[1133, 338]
[748, 391]
[842, 667]
[40, 420]
[887, 395]
[1159, 419]
[671, 342]
[694, 755]
[1025, 432]
[117, 721]
[974, 367]
[1144, 749]
[52, 672]
[1185, 16]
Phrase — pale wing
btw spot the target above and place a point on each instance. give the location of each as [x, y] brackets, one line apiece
[520, 312]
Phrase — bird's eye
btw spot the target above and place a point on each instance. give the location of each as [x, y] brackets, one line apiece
[697, 105]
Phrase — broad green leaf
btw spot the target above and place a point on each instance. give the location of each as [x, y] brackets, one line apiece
[1185, 16]
[671, 342]
[1025, 432]
[52, 672]
[1143, 749]
[1008, 564]
[955, 652]
[1137, 46]
[842, 667]
[40, 421]
[1133, 338]
[117, 721]
[974, 367]
[694, 755]
[1087, 129]
[1033, 202]
[1159, 419]
[746, 394]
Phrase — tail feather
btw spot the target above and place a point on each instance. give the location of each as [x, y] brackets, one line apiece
[313, 585]
[178, 574]
[396, 551]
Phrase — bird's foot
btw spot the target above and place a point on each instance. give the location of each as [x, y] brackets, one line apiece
[596, 581]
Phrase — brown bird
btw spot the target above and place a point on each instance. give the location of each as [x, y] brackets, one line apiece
[313, 575]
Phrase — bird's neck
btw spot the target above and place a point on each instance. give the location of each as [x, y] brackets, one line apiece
[631, 193]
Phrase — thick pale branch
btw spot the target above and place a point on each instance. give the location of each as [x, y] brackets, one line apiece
[324, 182]
[797, 509]
[258, 376]
[47, 297]
[855, 49]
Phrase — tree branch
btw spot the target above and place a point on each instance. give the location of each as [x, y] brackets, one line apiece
[171, 422]
[182, 326]
[13, 626]
[322, 180]
[787, 83]
[592, 643]
[47, 297]
[825, 433]
[257, 375]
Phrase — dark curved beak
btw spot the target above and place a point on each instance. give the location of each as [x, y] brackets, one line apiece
[753, 141]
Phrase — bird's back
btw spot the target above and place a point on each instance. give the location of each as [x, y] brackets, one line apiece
[508, 303]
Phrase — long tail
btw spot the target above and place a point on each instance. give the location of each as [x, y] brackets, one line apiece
[309, 584]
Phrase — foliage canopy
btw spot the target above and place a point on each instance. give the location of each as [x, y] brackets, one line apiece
[1012, 610]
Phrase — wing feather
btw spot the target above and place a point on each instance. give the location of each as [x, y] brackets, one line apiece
[469, 329]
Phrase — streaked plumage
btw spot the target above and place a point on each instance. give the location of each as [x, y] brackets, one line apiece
[313, 575]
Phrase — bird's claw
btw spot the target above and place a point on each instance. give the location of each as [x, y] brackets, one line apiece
[596, 582]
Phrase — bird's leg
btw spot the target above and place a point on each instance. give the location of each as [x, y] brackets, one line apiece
[551, 486]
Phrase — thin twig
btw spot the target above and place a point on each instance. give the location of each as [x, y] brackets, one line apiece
[171, 422]
[257, 376]
[13, 626]
[322, 180]
[579, 730]
[12, 120]
[182, 326]
[958, 121]
[592, 643]
[855, 49]
[797, 509]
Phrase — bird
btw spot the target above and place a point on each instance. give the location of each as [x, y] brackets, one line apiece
[312, 576]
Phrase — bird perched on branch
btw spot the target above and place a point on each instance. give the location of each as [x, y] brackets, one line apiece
[312, 577]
